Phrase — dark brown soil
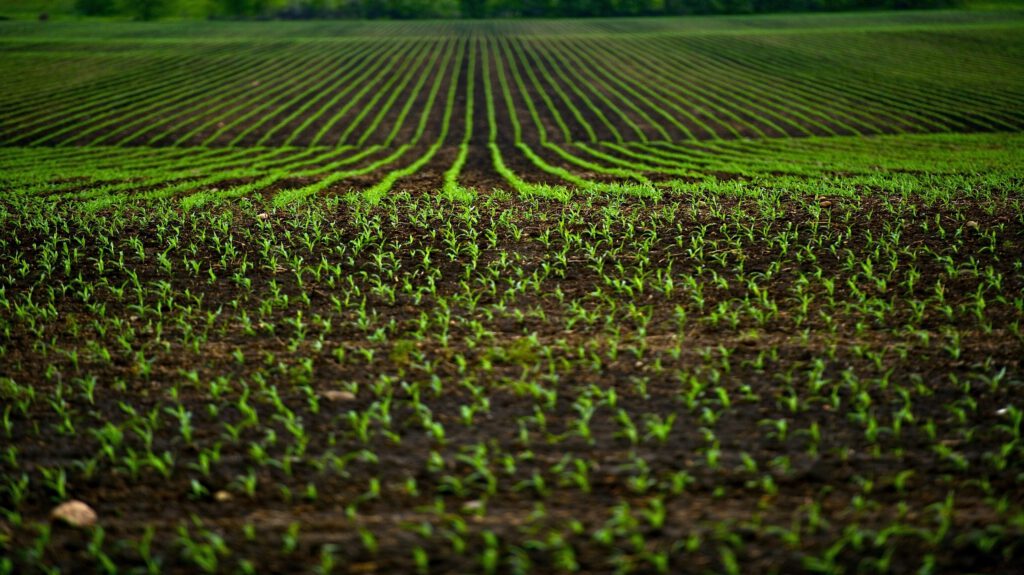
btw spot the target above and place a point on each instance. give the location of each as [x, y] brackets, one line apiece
[744, 508]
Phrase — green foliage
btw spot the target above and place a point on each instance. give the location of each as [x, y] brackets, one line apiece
[234, 8]
[407, 9]
[96, 7]
[147, 9]
[473, 8]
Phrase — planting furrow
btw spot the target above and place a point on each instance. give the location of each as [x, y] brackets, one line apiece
[382, 64]
[416, 67]
[603, 128]
[413, 50]
[354, 64]
[294, 194]
[237, 109]
[377, 192]
[450, 186]
[303, 94]
[211, 78]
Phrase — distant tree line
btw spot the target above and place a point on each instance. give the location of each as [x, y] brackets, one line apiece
[141, 9]
[403, 9]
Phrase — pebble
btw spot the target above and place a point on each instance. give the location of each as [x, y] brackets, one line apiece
[74, 513]
[338, 395]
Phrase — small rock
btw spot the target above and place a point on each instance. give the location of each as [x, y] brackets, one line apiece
[825, 204]
[971, 224]
[74, 513]
[222, 496]
[473, 505]
[263, 215]
[338, 395]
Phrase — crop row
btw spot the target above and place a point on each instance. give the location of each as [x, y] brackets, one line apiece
[102, 176]
[614, 88]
